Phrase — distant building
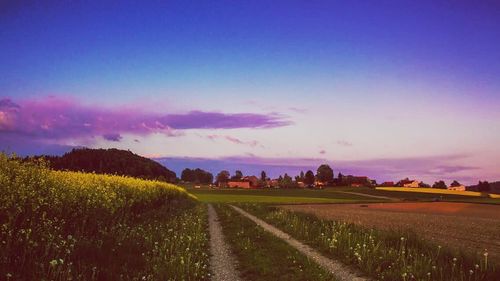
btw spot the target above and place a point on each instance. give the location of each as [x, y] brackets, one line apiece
[409, 183]
[459, 187]
[245, 182]
[387, 184]
[238, 184]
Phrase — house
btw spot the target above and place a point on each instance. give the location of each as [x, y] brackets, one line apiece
[409, 183]
[238, 184]
[245, 182]
[387, 183]
[319, 184]
[458, 187]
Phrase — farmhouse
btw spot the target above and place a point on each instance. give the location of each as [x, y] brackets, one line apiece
[245, 182]
[388, 184]
[458, 187]
[409, 183]
[238, 184]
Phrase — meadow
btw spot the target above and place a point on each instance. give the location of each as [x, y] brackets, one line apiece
[383, 255]
[76, 226]
[328, 195]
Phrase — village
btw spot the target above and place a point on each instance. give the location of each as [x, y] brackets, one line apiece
[323, 178]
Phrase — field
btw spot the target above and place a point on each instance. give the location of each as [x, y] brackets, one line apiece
[381, 254]
[465, 226]
[276, 196]
[440, 191]
[75, 226]
[328, 195]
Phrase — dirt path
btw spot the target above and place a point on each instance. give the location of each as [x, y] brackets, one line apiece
[222, 263]
[338, 270]
[369, 195]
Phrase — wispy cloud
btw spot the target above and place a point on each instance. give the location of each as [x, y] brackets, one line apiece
[343, 143]
[235, 140]
[54, 118]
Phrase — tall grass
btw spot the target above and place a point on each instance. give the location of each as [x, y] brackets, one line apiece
[76, 226]
[380, 254]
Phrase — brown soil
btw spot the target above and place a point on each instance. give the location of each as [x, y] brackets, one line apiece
[471, 227]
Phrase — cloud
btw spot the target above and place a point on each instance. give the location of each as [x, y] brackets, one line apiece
[298, 110]
[54, 118]
[252, 143]
[344, 143]
[112, 137]
[322, 151]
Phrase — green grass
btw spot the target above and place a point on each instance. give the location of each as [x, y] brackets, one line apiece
[380, 254]
[328, 195]
[262, 256]
[278, 196]
[76, 226]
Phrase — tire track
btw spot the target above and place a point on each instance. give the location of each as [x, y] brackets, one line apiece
[338, 270]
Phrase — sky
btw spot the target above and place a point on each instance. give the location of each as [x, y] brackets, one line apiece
[390, 89]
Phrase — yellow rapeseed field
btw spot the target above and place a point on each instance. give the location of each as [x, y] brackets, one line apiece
[74, 226]
[439, 191]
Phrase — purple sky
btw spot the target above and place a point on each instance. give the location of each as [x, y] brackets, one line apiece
[388, 90]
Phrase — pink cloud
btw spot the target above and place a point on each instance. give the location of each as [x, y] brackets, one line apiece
[55, 118]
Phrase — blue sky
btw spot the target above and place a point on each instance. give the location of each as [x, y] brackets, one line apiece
[347, 80]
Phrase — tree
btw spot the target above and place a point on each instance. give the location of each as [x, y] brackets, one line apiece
[425, 185]
[309, 178]
[263, 176]
[302, 175]
[325, 173]
[439, 184]
[483, 186]
[340, 178]
[455, 184]
[222, 176]
[238, 175]
[187, 175]
[286, 181]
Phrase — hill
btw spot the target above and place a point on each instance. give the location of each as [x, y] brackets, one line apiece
[110, 161]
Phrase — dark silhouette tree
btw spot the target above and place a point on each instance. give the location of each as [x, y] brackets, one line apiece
[187, 175]
[263, 176]
[325, 173]
[238, 175]
[340, 178]
[309, 178]
[455, 184]
[440, 185]
[483, 186]
[222, 176]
